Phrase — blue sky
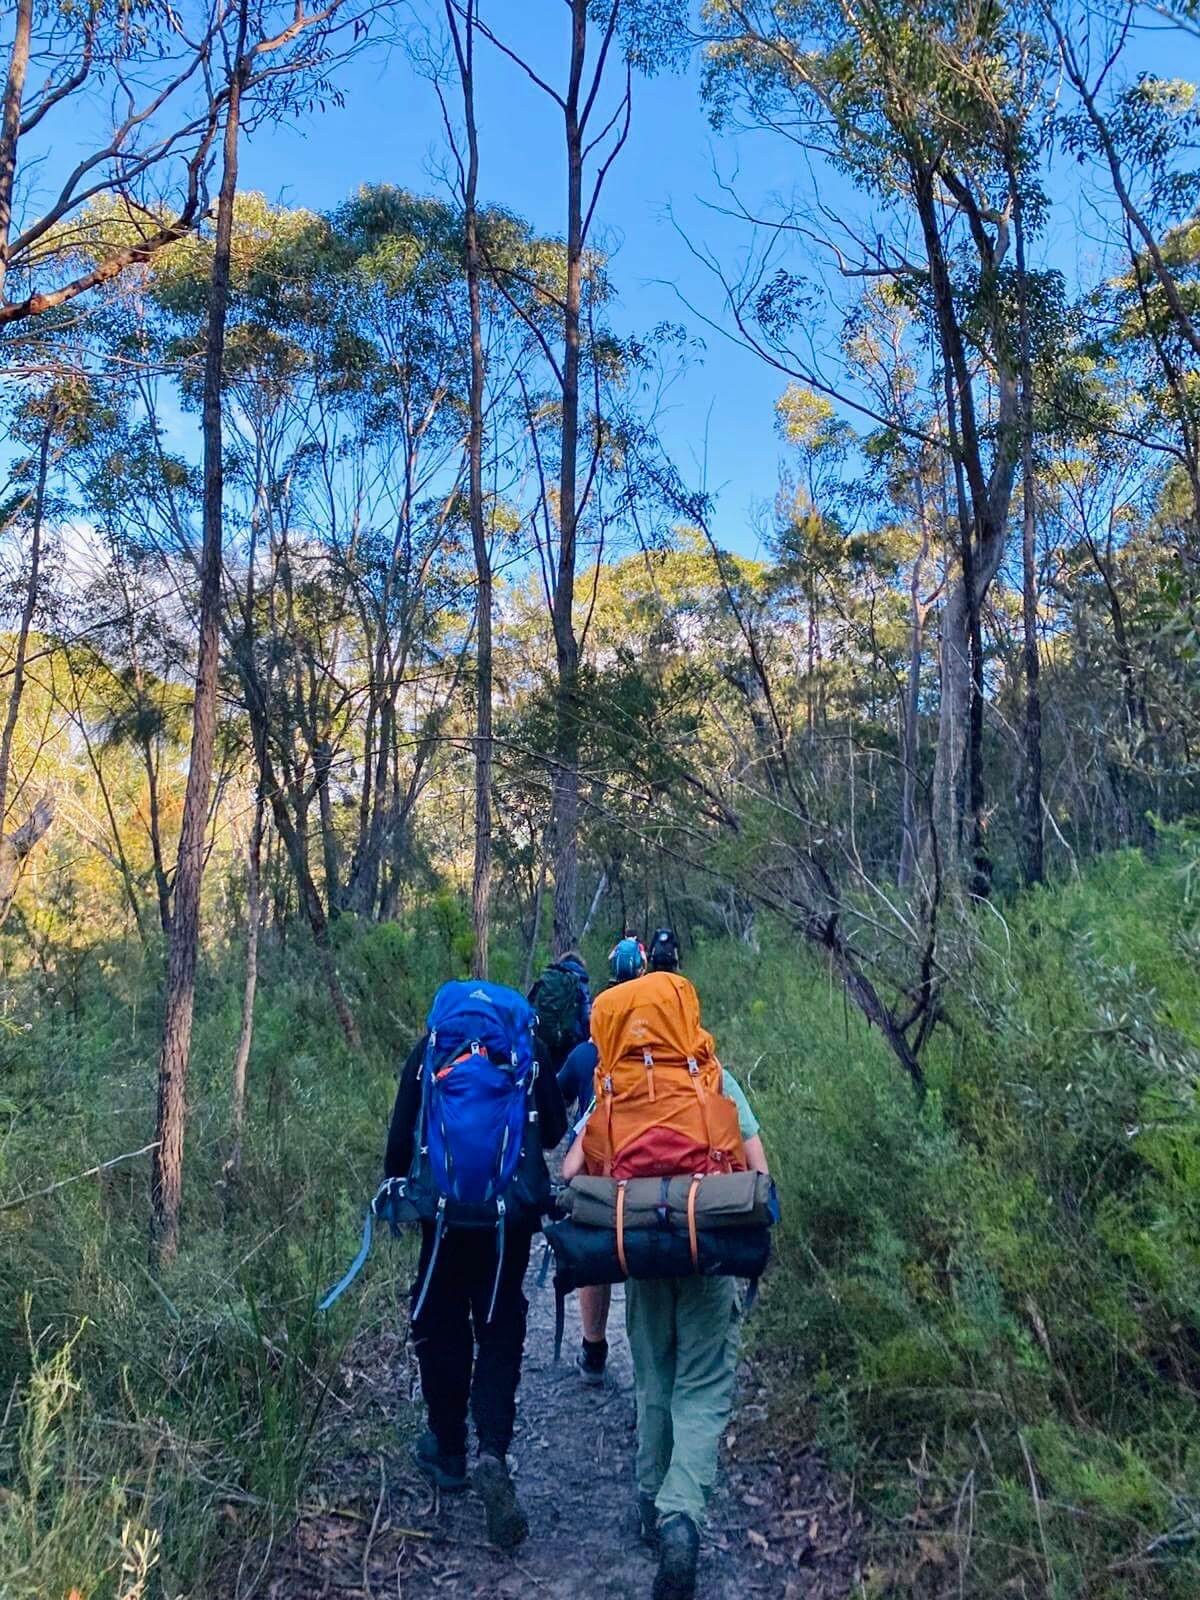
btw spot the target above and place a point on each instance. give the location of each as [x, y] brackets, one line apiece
[718, 420]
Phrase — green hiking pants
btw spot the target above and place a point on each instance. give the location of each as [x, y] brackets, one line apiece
[683, 1336]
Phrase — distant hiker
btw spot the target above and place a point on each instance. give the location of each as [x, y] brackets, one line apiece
[626, 961]
[562, 999]
[627, 958]
[476, 1109]
[668, 1107]
[664, 951]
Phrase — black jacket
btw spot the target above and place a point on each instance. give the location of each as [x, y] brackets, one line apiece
[552, 1114]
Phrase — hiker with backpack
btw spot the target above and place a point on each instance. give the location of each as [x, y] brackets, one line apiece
[666, 1109]
[563, 1001]
[476, 1109]
[626, 960]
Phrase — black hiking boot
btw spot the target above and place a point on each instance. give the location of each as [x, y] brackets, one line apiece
[591, 1361]
[647, 1521]
[507, 1523]
[443, 1469]
[678, 1552]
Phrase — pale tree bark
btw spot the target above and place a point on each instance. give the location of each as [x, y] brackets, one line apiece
[10, 126]
[1033, 837]
[910, 832]
[565, 788]
[577, 103]
[249, 987]
[167, 1177]
[481, 879]
[982, 500]
[28, 609]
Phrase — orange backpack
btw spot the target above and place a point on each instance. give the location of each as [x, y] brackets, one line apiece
[659, 1106]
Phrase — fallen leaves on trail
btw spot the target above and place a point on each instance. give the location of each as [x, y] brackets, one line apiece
[780, 1528]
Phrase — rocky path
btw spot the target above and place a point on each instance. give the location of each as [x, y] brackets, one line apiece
[374, 1529]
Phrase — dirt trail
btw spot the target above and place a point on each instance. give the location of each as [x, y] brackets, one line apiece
[374, 1529]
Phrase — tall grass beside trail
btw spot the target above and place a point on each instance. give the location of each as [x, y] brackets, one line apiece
[149, 1428]
[985, 1308]
[995, 1297]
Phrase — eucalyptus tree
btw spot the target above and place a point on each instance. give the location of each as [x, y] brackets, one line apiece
[923, 114]
[606, 44]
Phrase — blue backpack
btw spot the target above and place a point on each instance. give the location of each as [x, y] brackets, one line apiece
[627, 959]
[478, 1161]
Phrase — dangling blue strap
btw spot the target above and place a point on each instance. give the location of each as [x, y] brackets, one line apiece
[356, 1265]
[439, 1228]
[382, 1206]
[499, 1259]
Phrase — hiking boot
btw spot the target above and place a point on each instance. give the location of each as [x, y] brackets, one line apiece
[591, 1361]
[647, 1521]
[443, 1468]
[507, 1523]
[678, 1552]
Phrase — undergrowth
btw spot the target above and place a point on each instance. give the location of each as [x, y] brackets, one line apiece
[995, 1296]
[985, 1308]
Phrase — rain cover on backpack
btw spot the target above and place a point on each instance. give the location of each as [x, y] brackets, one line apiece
[563, 1002]
[659, 1107]
[478, 1115]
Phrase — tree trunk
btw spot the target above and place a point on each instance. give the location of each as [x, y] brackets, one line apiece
[535, 931]
[162, 883]
[601, 886]
[1031, 798]
[28, 610]
[566, 646]
[982, 500]
[323, 758]
[167, 1177]
[481, 880]
[246, 1037]
[910, 731]
[10, 126]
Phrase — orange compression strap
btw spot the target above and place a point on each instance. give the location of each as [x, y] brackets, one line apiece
[621, 1227]
[693, 1240]
[648, 1063]
[608, 1110]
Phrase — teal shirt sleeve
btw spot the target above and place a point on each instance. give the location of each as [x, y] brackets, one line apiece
[748, 1125]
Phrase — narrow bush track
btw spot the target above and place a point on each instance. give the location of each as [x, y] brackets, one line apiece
[372, 1528]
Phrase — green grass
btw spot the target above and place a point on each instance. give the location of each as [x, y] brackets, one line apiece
[985, 1308]
[996, 1296]
[180, 1410]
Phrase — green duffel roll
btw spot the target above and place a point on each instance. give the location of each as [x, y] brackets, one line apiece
[723, 1200]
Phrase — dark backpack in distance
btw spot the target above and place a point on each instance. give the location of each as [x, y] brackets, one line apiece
[562, 1001]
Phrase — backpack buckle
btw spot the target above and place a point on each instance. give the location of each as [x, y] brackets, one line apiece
[693, 1066]
[647, 1058]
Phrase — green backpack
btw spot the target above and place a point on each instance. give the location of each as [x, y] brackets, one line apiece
[563, 1005]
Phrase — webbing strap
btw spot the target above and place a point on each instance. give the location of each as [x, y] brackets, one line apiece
[356, 1266]
[621, 1227]
[693, 1240]
[648, 1063]
[560, 1316]
[439, 1229]
[608, 1109]
[499, 1260]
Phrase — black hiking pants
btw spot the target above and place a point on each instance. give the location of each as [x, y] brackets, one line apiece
[462, 1356]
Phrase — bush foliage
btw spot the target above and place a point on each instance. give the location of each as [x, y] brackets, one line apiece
[985, 1308]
